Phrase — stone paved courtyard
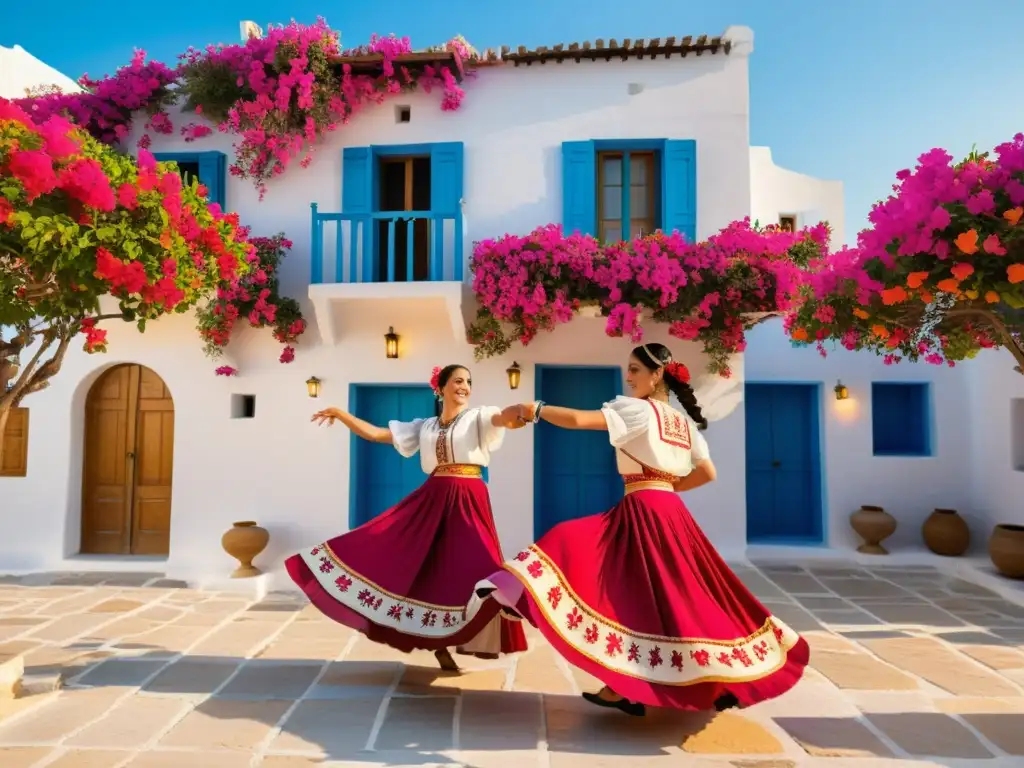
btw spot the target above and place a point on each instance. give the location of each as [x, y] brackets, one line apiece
[911, 667]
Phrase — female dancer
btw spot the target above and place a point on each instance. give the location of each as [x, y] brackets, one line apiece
[401, 579]
[637, 596]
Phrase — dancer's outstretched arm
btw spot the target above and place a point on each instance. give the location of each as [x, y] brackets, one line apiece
[364, 429]
[704, 472]
[508, 418]
[567, 418]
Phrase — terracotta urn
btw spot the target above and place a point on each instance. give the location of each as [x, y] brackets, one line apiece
[1006, 549]
[244, 541]
[874, 525]
[946, 533]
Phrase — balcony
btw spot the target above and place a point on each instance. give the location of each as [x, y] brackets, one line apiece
[381, 255]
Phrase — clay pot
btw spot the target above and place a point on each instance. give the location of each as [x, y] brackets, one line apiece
[1006, 549]
[244, 542]
[874, 525]
[945, 533]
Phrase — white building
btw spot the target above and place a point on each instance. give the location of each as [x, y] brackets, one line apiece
[20, 71]
[243, 448]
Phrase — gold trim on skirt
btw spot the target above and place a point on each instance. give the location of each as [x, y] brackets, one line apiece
[458, 470]
[648, 485]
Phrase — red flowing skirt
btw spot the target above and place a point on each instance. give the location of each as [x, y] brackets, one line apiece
[402, 579]
[639, 598]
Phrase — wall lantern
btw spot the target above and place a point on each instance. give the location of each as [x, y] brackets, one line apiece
[841, 391]
[313, 386]
[391, 344]
[514, 372]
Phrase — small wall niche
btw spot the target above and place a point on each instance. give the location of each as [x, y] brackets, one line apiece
[403, 113]
[243, 406]
[787, 222]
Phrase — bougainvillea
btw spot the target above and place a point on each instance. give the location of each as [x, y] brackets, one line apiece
[78, 221]
[939, 274]
[254, 298]
[278, 94]
[711, 292]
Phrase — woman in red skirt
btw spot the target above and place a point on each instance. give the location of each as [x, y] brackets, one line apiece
[637, 596]
[402, 578]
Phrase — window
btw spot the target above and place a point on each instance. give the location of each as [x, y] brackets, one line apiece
[243, 406]
[787, 222]
[901, 419]
[615, 190]
[15, 437]
[210, 168]
[626, 193]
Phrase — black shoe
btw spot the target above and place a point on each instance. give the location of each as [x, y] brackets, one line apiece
[631, 708]
[726, 701]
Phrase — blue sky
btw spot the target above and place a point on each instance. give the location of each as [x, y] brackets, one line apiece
[852, 91]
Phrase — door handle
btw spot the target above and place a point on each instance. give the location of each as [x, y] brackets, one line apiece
[131, 454]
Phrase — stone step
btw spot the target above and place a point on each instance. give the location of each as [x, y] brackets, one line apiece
[12, 672]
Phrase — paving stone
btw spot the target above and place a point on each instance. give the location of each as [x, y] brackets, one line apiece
[89, 758]
[500, 721]
[336, 727]
[817, 603]
[846, 618]
[131, 724]
[168, 584]
[932, 735]
[192, 675]
[891, 701]
[419, 725]
[269, 680]
[170, 639]
[226, 724]
[861, 588]
[966, 705]
[423, 680]
[343, 679]
[539, 671]
[903, 613]
[120, 672]
[934, 662]
[762, 763]
[115, 605]
[833, 737]
[729, 734]
[799, 584]
[237, 639]
[859, 671]
[22, 757]
[961, 587]
[995, 656]
[196, 759]
[1004, 729]
[69, 627]
[65, 713]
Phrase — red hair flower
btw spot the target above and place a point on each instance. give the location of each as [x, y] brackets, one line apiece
[435, 379]
[679, 372]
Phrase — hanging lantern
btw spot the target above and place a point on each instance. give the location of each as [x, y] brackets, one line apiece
[391, 344]
[313, 386]
[841, 391]
[514, 373]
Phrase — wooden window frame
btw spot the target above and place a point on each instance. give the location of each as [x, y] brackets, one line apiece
[790, 217]
[22, 469]
[654, 182]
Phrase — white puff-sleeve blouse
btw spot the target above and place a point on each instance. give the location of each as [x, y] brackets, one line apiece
[470, 438]
[652, 434]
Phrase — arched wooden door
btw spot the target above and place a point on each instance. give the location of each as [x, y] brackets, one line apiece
[126, 475]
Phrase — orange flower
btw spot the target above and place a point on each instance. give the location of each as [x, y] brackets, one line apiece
[992, 297]
[926, 297]
[971, 294]
[894, 296]
[949, 285]
[858, 312]
[916, 279]
[1013, 215]
[967, 241]
[880, 331]
[165, 239]
[1015, 273]
[962, 271]
[800, 334]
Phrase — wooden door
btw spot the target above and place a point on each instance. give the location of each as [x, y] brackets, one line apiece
[126, 479]
[783, 460]
[575, 472]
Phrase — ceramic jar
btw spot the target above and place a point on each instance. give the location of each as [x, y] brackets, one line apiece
[244, 541]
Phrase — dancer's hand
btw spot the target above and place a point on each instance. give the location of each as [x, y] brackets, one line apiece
[327, 416]
[510, 418]
[528, 412]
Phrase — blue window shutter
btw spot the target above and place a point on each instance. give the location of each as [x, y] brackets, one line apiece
[901, 419]
[446, 174]
[579, 187]
[357, 180]
[679, 188]
[213, 173]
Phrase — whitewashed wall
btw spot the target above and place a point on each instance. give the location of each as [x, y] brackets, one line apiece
[776, 191]
[908, 487]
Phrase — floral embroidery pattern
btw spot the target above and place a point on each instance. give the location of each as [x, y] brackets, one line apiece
[369, 600]
[689, 660]
[673, 428]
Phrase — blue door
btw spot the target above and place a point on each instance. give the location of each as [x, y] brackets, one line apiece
[783, 464]
[379, 476]
[574, 470]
